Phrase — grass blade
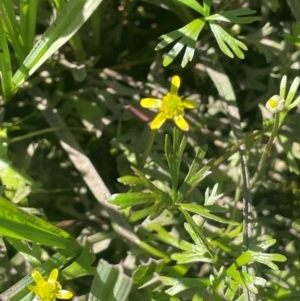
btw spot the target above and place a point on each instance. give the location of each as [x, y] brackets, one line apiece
[5, 66]
[71, 18]
[12, 29]
[18, 224]
[28, 9]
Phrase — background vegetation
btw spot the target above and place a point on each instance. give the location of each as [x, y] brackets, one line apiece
[209, 214]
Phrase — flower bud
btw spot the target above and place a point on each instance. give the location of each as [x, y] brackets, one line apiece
[275, 104]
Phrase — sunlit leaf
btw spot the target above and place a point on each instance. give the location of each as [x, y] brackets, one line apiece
[181, 284]
[70, 19]
[5, 66]
[251, 256]
[212, 197]
[189, 35]
[18, 224]
[82, 266]
[225, 40]
[193, 4]
[124, 200]
[235, 16]
[110, 283]
[192, 181]
[201, 210]
[188, 257]
[246, 280]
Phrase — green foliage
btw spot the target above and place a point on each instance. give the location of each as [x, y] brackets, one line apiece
[110, 284]
[126, 213]
[190, 32]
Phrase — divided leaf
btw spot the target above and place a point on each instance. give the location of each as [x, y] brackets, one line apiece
[235, 16]
[224, 40]
[189, 35]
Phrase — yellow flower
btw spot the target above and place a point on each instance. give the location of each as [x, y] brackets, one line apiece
[171, 106]
[48, 290]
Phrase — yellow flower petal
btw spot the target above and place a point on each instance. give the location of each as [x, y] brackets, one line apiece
[181, 123]
[64, 294]
[171, 106]
[53, 276]
[151, 103]
[175, 84]
[38, 278]
[158, 121]
[189, 103]
[33, 289]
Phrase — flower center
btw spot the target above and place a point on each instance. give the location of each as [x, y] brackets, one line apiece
[172, 106]
[48, 291]
[273, 103]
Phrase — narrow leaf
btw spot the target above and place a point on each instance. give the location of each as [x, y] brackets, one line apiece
[235, 16]
[130, 180]
[71, 18]
[12, 30]
[18, 224]
[125, 200]
[189, 184]
[183, 258]
[181, 284]
[28, 9]
[5, 66]
[223, 38]
[193, 4]
[195, 208]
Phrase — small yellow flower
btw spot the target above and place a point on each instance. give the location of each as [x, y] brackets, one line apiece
[48, 290]
[171, 106]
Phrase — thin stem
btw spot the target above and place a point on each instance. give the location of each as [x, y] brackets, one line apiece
[41, 132]
[148, 148]
[225, 89]
[266, 152]
[236, 199]
[236, 146]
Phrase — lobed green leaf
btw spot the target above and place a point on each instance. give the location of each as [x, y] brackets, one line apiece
[189, 35]
[235, 16]
[181, 284]
[223, 38]
[192, 180]
[203, 211]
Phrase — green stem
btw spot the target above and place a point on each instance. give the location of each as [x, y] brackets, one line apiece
[266, 152]
[148, 148]
[236, 146]
[41, 132]
[237, 197]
